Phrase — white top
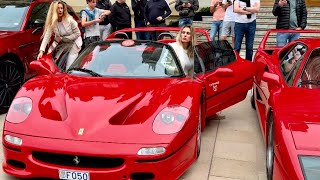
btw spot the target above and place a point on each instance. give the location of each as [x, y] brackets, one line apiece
[229, 15]
[62, 30]
[185, 61]
[243, 18]
[92, 30]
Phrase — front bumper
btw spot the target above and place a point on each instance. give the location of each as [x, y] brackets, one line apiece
[169, 166]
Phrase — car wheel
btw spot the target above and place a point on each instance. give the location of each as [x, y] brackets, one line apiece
[253, 104]
[199, 133]
[270, 149]
[11, 80]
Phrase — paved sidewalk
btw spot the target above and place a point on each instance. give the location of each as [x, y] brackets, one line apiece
[232, 148]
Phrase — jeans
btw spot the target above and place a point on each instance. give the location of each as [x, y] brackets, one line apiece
[284, 38]
[155, 34]
[216, 25]
[248, 30]
[141, 35]
[105, 31]
[185, 21]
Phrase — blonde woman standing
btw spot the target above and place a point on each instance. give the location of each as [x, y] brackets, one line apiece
[65, 30]
[184, 48]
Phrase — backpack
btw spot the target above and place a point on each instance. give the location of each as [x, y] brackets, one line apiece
[91, 16]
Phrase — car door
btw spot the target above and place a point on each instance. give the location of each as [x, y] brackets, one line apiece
[225, 75]
[33, 31]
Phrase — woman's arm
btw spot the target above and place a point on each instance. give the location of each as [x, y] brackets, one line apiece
[75, 32]
[46, 40]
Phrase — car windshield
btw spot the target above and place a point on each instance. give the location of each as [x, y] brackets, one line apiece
[127, 58]
[12, 15]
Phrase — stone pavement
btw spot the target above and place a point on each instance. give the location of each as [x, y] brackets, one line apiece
[232, 148]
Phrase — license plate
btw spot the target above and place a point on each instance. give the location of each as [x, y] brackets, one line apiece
[73, 175]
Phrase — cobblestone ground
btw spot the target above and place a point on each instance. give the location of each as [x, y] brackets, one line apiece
[232, 148]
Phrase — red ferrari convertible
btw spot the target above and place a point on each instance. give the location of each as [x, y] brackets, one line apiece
[21, 26]
[119, 113]
[286, 97]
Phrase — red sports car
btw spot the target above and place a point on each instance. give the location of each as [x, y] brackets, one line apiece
[21, 26]
[118, 113]
[286, 97]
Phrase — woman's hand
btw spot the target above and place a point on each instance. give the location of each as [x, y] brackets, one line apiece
[40, 55]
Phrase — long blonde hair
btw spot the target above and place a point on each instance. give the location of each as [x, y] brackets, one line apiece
[192, 42]
[52, 16]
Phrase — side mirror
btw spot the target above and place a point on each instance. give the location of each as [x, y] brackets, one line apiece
[44, 66]
[271, 78]
[39, 23]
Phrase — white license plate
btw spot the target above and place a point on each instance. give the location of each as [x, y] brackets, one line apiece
[73, 175]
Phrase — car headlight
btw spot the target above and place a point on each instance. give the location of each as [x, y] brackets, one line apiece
[19, 110]
[170, 120]
[310, 166]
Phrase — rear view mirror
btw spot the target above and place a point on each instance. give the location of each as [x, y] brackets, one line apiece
[271, 78]
[44, 66]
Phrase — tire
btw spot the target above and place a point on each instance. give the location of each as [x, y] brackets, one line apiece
[11, 79]
[270, 149]
[198, 145]
[253, 104]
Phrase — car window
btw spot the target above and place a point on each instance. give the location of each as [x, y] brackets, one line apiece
[38, 15]
[141, 59]
[291, 62]
[12, 15]
[215, 54]
[310, 76]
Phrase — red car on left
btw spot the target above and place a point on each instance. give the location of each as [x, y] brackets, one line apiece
[21, 26]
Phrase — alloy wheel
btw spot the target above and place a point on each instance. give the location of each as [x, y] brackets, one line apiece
[10, 82]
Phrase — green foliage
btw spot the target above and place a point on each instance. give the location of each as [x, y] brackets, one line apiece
[205, 9]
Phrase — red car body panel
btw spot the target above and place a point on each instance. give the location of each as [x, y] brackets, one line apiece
[117, 115]
[22, 46]
[295, 109]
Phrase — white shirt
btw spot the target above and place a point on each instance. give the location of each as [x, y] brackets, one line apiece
[243, 18]
[185, 62]
[229, 15]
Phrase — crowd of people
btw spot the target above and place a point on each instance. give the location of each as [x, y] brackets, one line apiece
[235, 18]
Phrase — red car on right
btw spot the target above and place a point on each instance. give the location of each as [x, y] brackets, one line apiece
[286, 95]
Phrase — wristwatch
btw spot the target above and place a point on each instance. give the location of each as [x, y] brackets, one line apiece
[244, 8]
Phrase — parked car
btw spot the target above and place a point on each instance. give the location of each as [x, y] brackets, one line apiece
[286, 98]
[118, 113]
[21, 26]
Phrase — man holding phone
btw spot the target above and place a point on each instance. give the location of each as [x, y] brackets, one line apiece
[186, 9]
[291, 14]
[218, 10]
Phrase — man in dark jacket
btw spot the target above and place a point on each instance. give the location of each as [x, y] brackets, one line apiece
[292, 14]
[104, 26]
[186, 9]
[156, 12]
[139, 19]
[120, 16]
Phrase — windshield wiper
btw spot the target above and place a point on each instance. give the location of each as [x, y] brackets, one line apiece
[92, 73]
[314, 82]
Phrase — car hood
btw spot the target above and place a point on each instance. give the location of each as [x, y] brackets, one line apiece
[99, 109]
[299, 110]
[298, 105]
[306, 135]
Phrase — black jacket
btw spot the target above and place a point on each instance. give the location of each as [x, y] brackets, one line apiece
[194, 7]
[138, 9]
[106, 5]
[283, 20]
[156, 8]
[120, 16]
